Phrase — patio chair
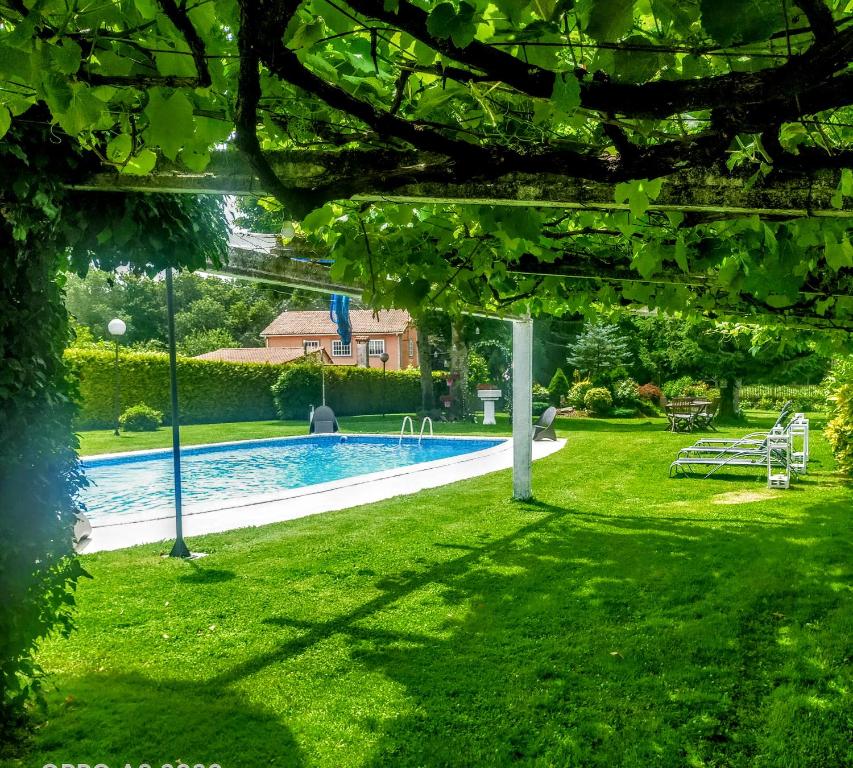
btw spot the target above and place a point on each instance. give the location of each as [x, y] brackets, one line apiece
[705, 415]
[323, 421]
[544, 428]
[681, 414]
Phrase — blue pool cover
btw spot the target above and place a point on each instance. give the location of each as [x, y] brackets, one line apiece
[137, 484]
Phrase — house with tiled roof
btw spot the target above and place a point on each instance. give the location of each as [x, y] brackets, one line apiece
[389, 331]
[271, 355]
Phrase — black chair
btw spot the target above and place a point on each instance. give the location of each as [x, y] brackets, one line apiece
[323, 421]
[544, 428]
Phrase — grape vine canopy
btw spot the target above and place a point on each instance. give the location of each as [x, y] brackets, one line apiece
[427, 146]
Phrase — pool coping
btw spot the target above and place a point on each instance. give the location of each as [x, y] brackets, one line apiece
[289, 504]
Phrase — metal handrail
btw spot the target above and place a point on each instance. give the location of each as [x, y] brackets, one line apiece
[423, 424]
[403, 429]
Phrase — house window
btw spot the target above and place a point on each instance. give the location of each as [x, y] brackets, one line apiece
[375, 347]
[411, 348]
[310, 344]
[339, 349]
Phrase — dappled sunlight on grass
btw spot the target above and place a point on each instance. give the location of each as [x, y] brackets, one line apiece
[620, 619]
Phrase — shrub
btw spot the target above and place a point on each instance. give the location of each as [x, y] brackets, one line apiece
[478, 373]
[540, 406]
[540, 392]
[623, 413]
[209, 390]
[625, 393]
[677, 388]
[686, 387]
[141, 418]
[839, 430]
[578, 392]
[650, 392]
[597, 401]
[698, 389]
[558, 388]
[350, 391]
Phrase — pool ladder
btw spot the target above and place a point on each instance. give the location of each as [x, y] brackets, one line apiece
[423, 424]
[403, 429]
[427, 420]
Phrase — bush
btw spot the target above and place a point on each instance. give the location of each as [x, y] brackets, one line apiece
[141, 418]
[839, 430]
[677, 388]
[558, 388]
[625, 393]
[686, 387]
[540, 406]
[623, 413]
[578, 392]
[208, 390]
[478, 373]
[650, 392]
[540, 392]
[350, 391]
[598, 401]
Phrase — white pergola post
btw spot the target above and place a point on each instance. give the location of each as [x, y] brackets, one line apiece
[522, 408]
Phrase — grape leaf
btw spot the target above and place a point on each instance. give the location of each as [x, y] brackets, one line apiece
[567, 92]
[610, 20]
[170, 121]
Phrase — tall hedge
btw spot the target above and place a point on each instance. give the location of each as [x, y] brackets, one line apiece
[208, 390]
[350, 391]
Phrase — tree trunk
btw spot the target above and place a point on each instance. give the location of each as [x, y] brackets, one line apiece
[459, 366]
[425, 365]
[729, 398]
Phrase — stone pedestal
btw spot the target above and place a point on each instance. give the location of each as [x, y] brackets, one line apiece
[489, 398]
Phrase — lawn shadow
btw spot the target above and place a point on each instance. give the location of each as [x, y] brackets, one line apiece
[201, 575]
[393, 587]
[200, 723]
[628, 641]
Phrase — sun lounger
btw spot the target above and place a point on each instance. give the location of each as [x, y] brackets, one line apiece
[773, 452]
[756, 438]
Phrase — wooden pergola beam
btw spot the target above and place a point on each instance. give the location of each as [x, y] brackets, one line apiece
[409, 177]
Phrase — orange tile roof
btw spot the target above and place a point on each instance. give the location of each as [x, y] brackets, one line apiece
[318, 323]
[272, 355]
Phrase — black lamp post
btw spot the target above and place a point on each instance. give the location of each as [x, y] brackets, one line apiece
[384, 358]
[179, 548]
[117, 327]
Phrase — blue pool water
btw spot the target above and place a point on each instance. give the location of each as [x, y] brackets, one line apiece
[227, 473]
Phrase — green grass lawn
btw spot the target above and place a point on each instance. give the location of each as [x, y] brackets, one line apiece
[621, 619]
[104, 441]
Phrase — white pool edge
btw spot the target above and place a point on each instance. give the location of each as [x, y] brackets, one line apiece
[264, 509]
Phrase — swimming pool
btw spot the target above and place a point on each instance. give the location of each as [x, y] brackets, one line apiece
[214, 476]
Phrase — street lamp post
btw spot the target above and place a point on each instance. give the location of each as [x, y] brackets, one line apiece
[384, 358]
[117, 327]
[179, 548]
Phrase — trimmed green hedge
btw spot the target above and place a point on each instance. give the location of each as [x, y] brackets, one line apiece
[350, 391]
[208, 390]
